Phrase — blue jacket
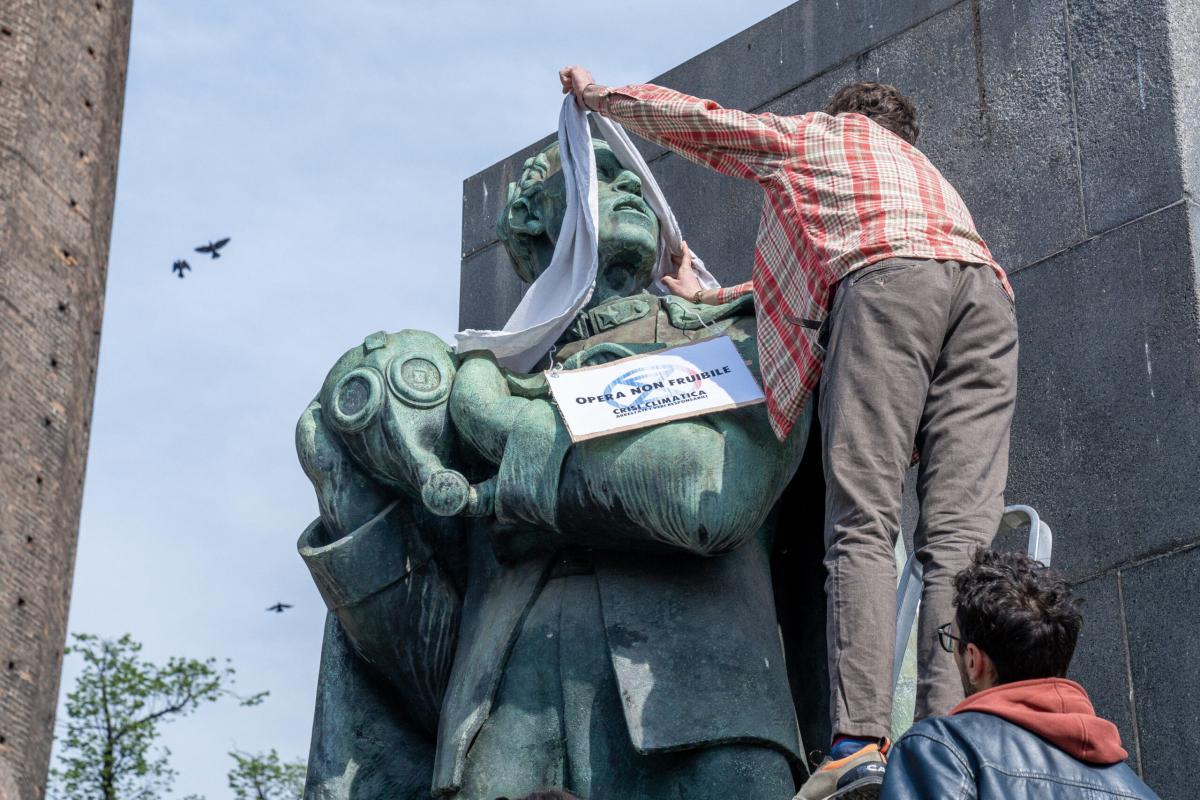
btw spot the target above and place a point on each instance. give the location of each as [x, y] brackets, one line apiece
[983, 757]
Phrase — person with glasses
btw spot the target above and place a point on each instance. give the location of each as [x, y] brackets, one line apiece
[1023, 730]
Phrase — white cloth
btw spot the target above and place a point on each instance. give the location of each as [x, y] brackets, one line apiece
[566, 285]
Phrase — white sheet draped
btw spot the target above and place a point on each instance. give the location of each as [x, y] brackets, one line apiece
[566, 285]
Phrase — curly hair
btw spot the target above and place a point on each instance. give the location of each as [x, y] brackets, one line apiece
[881, 102]
[1020, 613]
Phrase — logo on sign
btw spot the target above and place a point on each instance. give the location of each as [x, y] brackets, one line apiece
[644, 385]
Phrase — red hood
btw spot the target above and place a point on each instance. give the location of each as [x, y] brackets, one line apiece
[1055, 709]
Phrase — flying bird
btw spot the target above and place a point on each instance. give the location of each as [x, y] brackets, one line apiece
[279, 608]
[213, 247]
[179, 266]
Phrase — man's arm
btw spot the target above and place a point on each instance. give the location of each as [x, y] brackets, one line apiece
[732, 142]
[686, 284]
[920, 766]
[727, 294]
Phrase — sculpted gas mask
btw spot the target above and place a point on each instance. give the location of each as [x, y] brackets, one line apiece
[386, 401]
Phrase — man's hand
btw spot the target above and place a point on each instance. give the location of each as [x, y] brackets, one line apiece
[684, 282]
[574, 80]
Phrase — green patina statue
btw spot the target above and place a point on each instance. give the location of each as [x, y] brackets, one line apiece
[509, 611]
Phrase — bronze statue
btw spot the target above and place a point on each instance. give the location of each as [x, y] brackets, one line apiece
[509, 611]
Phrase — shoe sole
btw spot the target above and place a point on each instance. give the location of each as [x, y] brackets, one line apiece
[862, 789]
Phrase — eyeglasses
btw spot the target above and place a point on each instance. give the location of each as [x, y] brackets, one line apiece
[947, 639]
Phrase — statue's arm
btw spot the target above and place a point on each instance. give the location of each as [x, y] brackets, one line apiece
[391, 572]
[482, 405]
[702, 486]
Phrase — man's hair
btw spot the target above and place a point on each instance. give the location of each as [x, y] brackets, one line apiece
[1020, 613]
[881, 102]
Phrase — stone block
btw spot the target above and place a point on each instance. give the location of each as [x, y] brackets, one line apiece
[1163, 618]
[1021, 177]
[489, 289]
[1106, 430]
[486, 193]
[1100, 664]
[1002, 136]
[1121, 59]
[792, 46]
[717, 214]
[786, 51]
[1184, 32]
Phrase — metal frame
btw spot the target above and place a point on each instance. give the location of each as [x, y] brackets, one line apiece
[908, 591]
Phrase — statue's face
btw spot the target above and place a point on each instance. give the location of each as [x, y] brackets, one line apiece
[627, 228]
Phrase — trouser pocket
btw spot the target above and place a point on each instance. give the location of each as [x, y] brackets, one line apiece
[822, 339]
[1008, 297]
[880, 272]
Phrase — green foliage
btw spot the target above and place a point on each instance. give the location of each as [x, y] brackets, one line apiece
[114, 714]
[263, 776]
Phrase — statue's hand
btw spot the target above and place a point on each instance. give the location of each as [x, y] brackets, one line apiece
[448, 493]
[346, 495]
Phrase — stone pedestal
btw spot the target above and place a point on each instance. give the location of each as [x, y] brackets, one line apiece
[1070, 128]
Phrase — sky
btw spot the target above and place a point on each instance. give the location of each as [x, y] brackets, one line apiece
[330, 141]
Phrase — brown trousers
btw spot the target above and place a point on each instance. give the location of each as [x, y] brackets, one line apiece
[920, 352]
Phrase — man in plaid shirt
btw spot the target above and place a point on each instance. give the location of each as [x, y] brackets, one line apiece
[869, 278]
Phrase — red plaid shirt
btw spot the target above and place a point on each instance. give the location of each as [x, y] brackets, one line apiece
[841, 193]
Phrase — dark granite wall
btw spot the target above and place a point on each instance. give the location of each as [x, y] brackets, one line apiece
[1070, 128]
[62, 85]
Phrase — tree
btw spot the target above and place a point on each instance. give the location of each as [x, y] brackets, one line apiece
[262, 776]
[114, 714]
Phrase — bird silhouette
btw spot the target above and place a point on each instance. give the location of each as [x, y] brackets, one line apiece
[213, 247]
[179, 266]
[279, 608]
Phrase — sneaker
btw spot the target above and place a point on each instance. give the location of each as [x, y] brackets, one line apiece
[855, 777]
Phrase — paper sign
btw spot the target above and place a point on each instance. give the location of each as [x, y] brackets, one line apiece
[645, 390]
